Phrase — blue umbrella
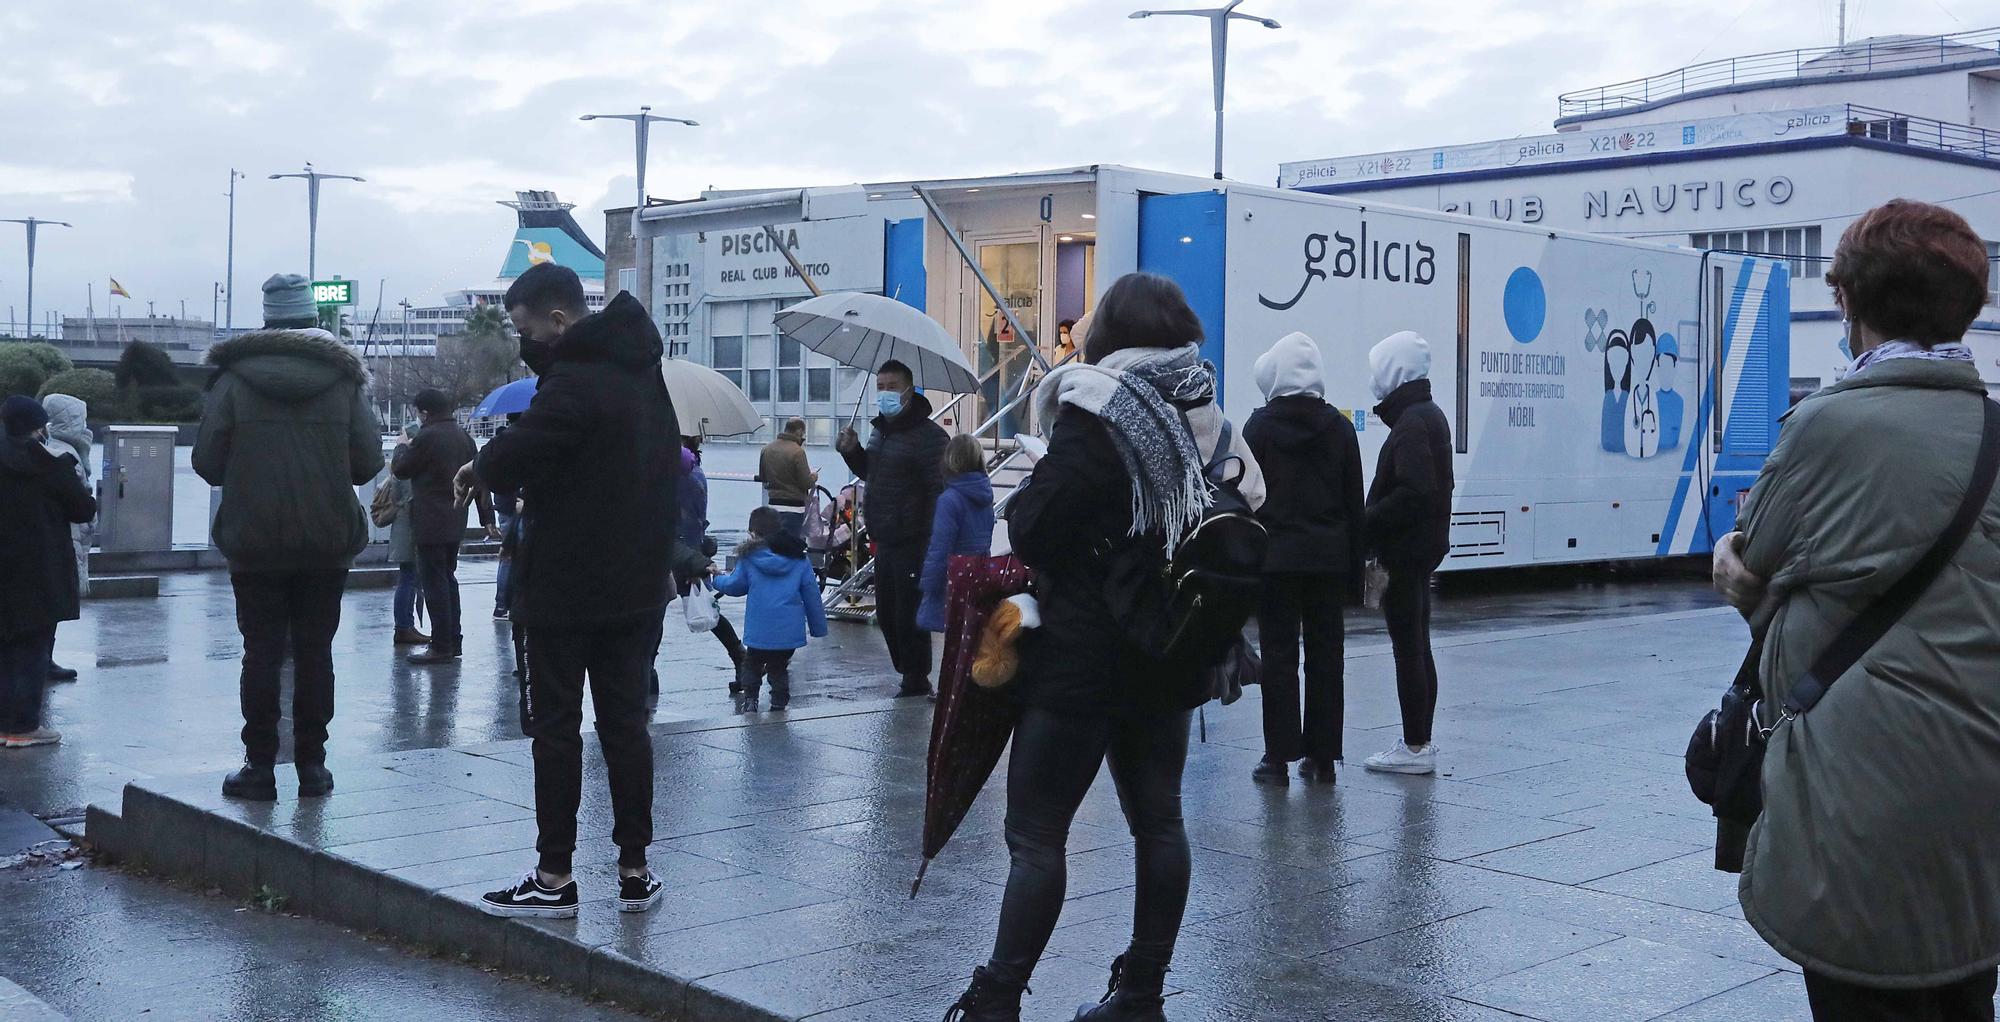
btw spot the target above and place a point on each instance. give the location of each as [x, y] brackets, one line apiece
[507, 399]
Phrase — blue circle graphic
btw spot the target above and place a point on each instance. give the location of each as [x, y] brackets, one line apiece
[1525, 304]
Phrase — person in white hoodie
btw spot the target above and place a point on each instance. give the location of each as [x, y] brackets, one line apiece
[1409, 531]
[1313, 512]
[69, 433]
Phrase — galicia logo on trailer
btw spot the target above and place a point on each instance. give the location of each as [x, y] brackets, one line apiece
[1398, 262]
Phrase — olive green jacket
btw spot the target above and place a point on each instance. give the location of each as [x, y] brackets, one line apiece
[1877, 859]
[288, 433]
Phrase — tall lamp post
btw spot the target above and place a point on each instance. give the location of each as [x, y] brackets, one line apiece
[229, 271]
[1218, 44]
[641, 127]
[312, 179]
[32, 223]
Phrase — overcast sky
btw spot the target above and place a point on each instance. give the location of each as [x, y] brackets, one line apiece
[124, 116]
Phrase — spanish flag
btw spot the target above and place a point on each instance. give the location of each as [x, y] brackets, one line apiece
[119, 289]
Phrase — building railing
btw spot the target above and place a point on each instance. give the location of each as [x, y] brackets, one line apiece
[1887, 54]
[1923, 132]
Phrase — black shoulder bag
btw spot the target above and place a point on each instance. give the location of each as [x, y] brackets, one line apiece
[1725, 758]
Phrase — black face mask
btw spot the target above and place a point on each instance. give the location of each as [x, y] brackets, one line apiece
[537, 357]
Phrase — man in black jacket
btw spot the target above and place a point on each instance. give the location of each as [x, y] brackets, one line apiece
[287, 432]
[904, 469]
[40, 496]
[1313, 511]
[429, 462]
[1409, 528]
[594, 458]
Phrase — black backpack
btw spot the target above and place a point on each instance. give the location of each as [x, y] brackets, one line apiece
[1188, 611]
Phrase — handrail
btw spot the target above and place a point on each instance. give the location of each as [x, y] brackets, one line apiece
[1923, 132]
[1886, 54]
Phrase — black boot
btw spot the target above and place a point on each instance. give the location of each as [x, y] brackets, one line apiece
[315, 780]
[254, 782]
[987, 1000]
[1134, 995]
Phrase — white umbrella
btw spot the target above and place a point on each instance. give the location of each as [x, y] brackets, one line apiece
[864, 331]
[705, 402]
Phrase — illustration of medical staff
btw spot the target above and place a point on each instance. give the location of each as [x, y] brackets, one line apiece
[1617, 378]
[1666, 401]
[1641, 423]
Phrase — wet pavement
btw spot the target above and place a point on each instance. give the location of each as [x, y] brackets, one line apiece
[1556, 869]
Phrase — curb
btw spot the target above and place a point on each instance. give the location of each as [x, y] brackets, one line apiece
[161, 833]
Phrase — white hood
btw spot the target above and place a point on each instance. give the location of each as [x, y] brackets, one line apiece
[1401, 357]
[1291, 367]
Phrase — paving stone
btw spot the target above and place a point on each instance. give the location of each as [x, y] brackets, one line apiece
[350, 830]
[1775, 998]
[1454, 832]
[1454, 953]
[1625, 979]
[1582, 856]
[437, 846]
[1690, 881]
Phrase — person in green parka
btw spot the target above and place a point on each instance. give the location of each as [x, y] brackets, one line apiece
[1876, 863]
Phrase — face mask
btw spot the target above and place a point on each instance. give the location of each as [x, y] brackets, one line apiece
[888, 402]
[537, 357]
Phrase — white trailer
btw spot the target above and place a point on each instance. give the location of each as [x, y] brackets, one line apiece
[1609, 399]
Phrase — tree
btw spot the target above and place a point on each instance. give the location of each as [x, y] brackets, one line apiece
[467, 365]
[96, 388]
[20, 372]
[150, 388]
[48, 356]
[143, 364]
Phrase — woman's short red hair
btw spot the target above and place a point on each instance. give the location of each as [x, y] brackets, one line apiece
[1912, 270]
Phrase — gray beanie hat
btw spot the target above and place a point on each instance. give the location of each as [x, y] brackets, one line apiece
[288, 299]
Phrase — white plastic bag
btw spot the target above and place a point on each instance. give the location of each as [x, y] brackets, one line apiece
[703, 608]
[1374, 582]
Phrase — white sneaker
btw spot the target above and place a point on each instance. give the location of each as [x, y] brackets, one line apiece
[1402, 759]
[39, 736]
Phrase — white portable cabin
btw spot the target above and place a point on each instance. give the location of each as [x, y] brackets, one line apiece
[1609, 399]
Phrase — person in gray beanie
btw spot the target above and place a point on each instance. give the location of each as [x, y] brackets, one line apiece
[40, 497]
[287, 433]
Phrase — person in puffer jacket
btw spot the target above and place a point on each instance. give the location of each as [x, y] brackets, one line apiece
[772, 570]
[963, 525]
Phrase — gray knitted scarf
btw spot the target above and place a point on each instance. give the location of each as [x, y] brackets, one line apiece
[1139, 394]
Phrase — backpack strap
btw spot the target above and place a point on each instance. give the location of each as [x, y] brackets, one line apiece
[1878, 617]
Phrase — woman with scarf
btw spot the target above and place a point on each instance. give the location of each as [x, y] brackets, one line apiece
[69, 433]
[1134, 425]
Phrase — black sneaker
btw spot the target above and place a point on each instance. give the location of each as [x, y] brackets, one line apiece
[913, 687]
[639, 893]
[315, 780]
[530, 898]
[1316, 771]
[1273, 772]
[251, 782]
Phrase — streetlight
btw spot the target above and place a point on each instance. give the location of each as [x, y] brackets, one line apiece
[641, 127]
[1218, 44]
[32, 223]
[313, 178]
[229, 273]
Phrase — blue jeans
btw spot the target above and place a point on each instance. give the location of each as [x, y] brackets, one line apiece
[406, 595]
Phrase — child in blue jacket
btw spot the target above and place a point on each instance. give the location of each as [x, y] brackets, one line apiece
[772, 570]
[963, 524]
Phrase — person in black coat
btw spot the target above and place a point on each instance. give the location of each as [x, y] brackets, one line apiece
[430, 462]
[40, 498]
[1117, 469]
[904, 469]
[595, 458]
[1313, 511]
[1409, 529]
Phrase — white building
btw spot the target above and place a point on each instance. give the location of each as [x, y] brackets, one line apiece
[1774, 153]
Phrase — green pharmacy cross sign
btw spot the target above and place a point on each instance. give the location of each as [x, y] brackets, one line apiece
[333, 292]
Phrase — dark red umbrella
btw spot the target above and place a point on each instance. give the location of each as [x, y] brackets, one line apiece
[972, 724]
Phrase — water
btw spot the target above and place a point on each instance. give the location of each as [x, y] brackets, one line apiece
[730, 500]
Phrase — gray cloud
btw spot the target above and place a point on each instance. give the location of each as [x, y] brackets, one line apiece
[124, 116]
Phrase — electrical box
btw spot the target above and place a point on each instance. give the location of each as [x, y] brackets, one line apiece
[135, 496]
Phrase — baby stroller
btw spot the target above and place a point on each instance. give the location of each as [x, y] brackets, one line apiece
[834, 531]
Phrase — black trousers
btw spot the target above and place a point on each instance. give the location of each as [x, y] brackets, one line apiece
[1308, 607]
[1054, 761]
[275, 610]
[24, 671]
[1968, 1000]
[898, 592]
[775, 664]
[437, 570]
[1406, 607]
[615, 662]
